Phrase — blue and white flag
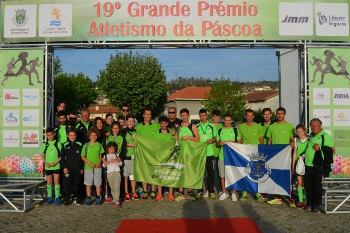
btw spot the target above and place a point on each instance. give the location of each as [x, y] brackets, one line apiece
[258, 168]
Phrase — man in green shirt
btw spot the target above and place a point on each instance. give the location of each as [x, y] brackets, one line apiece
[313, 174]
[225, 135]
[83, 126]
[62, 128]
[267, 121]
[281, 132]
[250, 133]
[207, 134]
[147, 128]
[51, 155]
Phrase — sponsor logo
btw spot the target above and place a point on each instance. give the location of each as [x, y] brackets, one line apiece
[30, 97]
[56, 17]
[11, 118]
[341, 96]
[296, 19]
[20, 19]
[9, 96]
[257, 169]
[321, 96]
[332, 20]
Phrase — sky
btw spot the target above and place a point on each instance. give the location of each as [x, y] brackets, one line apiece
[242, 64]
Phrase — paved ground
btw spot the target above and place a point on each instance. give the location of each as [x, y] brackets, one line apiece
[100, 219]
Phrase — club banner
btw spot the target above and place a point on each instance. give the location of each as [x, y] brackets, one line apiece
[180, 20]
[329, 99]
[258, 168]
[163, 163]
[21, 112]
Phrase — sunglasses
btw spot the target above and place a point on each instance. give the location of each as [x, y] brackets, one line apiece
[171, 112]
[125, 110]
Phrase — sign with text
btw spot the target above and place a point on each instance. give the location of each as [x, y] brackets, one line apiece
[176, 20]
[21, 112]
[329, 99]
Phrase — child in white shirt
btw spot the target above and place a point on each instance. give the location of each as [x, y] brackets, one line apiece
[112, 161]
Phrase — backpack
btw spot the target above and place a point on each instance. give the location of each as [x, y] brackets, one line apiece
[56, 146]
[324, 162]
[234, 130]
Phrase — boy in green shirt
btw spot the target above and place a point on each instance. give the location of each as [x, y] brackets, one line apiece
[207, 134]
[147, 128]
[51, 155]
[225, 135]
[250, 133]
[91, 155]
[129, 135]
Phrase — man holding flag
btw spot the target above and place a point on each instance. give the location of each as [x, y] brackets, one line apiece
[281, 132]
[250, 133]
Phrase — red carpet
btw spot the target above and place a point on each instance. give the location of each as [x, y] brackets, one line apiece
[220, 225]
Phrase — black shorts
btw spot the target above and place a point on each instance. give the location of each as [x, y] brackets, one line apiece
[50, 172]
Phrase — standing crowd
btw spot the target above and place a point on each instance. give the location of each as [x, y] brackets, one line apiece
[95, 158]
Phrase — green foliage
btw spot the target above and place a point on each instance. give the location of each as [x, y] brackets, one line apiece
[57, 66]
[135, 79]
[76, 90]
[227, 97]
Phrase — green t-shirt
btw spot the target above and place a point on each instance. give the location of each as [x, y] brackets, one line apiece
[217, 148]
[281, 133]
[51, 154]
[93, 153]
[117, 139]
[317, 139]
[226, 134]
[147, 130]
[130, 139]
[185, 131]
[265, 129]
[250, 134]
[301, 146]
[165, 137]
[62, 134]
[207, 131]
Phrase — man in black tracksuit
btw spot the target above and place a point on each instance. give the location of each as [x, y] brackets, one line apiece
[83, 126]
[72, 166]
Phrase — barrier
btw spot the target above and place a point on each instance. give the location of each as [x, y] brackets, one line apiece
[20, 194]
[336, 195]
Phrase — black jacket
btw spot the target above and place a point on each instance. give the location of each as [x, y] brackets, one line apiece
[71, 156]
[82, 132]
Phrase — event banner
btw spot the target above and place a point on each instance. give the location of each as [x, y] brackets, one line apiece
[21, 111]
[173, 20]
[258, 168]
[163, 163]
[329, 99]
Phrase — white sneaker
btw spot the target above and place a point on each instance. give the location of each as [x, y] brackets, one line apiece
[233, 197]
[223, 196]
[206, 194]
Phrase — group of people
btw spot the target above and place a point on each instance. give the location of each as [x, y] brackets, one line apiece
[100, 154]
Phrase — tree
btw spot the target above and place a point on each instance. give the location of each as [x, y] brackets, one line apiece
[135, 79]
[76, 90]
[57, 66]
[227, 97]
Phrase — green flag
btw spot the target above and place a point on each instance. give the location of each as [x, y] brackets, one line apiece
[158, 161]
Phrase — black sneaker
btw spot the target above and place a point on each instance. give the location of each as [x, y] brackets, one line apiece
[316, 210]
[76, 201]
[66, 201]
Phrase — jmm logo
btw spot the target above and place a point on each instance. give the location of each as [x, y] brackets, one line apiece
[295, 19]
